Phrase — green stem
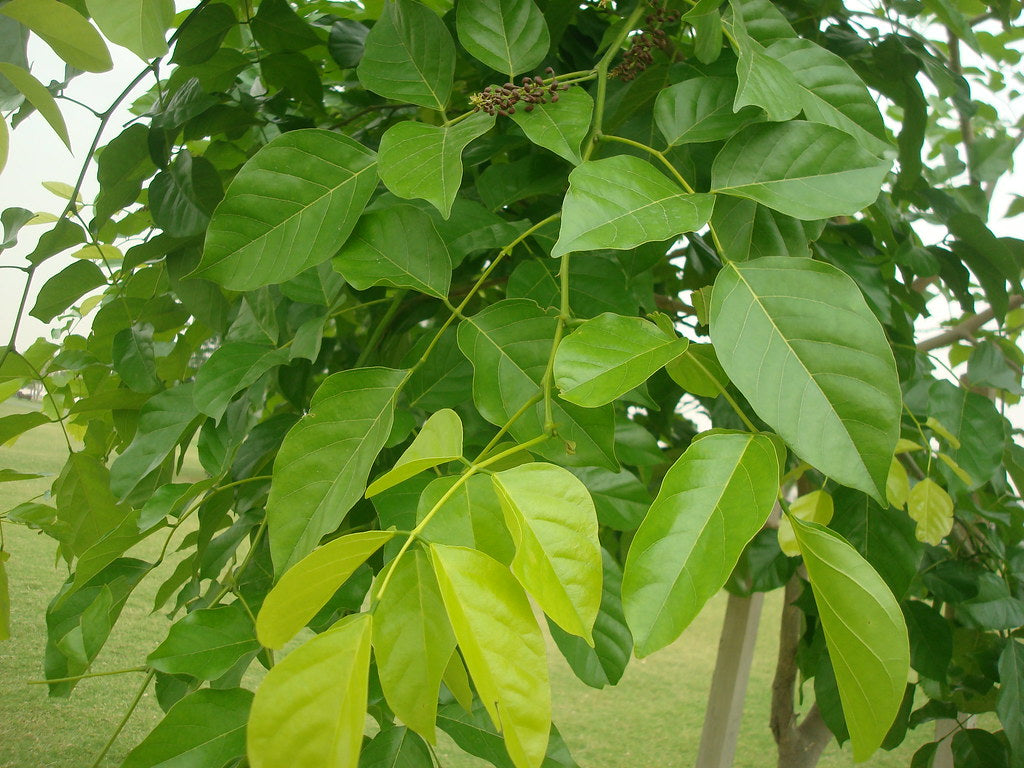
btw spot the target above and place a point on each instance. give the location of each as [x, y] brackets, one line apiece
[87, 675]
[564, 313]
[508, 425]
[381, 329]
[460, 481]
[125, 719]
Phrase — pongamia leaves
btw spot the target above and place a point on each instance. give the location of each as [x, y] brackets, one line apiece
[931, 508]
[509, 36]
[553, 523]
[306, 587]
[438, 442]
[230, 369]
[502, 645]
[40, 98]
[606, 357]
[139, 25]
[321, 469]
[311, 707]
[699, 110]
[206, 643]
[622, 202]
[65, 30]
[864, 630]
[775, 336]
[560, 126]
[712, 501]
[290, 207]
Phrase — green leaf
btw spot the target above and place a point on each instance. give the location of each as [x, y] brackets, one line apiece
[977, 748]
[311, 707]
[474, 734]
[65, 288]
[5, 598]
[39, 97]
[712, 501]
[200, 39]
[306, 587]
[122, 166]
[698, 371]
[412, 642]
[977, 427]
[931, 639]
[321, 469]
[509, 36]
[864, 631]
[231, 368]
[396, 748]
[184, 195]
[748, 230]
[397, 246]
[163, 421]
[559, 126]
[931, 508]
[806, 170]
[203, 729]
[821, 374]
[439, 441]
[64, 235]
[605, 663]
[133, 357]
[897, 484]
[620, 499]
[471, 516]
[608, 356]
[553, 523]
[280, 29]
[206, 643]
[763, 81]
[814, 507]
[1010, 701]
[831, 92]
[700, 110]
[409, 56]
[259, 234]
[509, 344]
[19, 423]
[425, 161]
[65, 30]
[622, 202]
[502, 645]
[347, 42]
[139, 25]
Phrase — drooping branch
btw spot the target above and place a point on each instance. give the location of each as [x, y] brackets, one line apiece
[966, 328]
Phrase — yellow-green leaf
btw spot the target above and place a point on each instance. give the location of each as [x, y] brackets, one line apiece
[439, 442]
[138, 25]
[307, 586]
[957, 469]
[558, 558]
[897, 484]
[502, 645]
[814, 507]
[311, 707]
[938, 428]
[65, 30]
[865, 634]
[931, 508]
[41, 99]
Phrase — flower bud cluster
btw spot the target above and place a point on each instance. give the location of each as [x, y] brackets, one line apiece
[502, 99]
[638, 57]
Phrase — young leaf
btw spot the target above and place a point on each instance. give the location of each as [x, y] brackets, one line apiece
[138, 25]
[699, 110]
[712, 501]
[825, 378]
[40, 98]
[206, 643]
[397, 246]
[425, 161]
[622, 202]
[559, 126]
[306, 587]
[409, 56]
[321, 469]
[230, 369]
[807, 170]
[65, 30]
[932, 509]
[439, 441]
[864, 630]
[412, 642]
[509, 36]
[311, 707]
[502, 645]
[897, 484]
[554, 526]
[259, 236]
[814, 507]
[608, 356]
[605, 662]
[204, 728]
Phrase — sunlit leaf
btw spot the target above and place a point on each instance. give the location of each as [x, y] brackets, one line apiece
[138, 25]
[65, 30]
[814, 507]
[932, 509]
[509, 36]
[439, 441]
[559, 126]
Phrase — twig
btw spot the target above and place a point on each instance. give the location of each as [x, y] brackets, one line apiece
[966, 328]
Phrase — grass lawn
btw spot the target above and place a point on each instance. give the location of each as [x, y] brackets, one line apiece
[652, 719]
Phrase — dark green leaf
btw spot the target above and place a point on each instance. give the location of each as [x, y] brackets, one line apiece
[201, 37]
[347, 42]
[206, 643]
[974, 421]
[62, 290]
[396, 748]
[278, 28]
[230, 369]
[700, 110]
[1010, 702]
[975, 748]
[134, 360]
[748, 230]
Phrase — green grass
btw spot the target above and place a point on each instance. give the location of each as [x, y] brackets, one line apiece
[652, 719]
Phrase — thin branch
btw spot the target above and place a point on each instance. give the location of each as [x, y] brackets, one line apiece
[965, 328]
